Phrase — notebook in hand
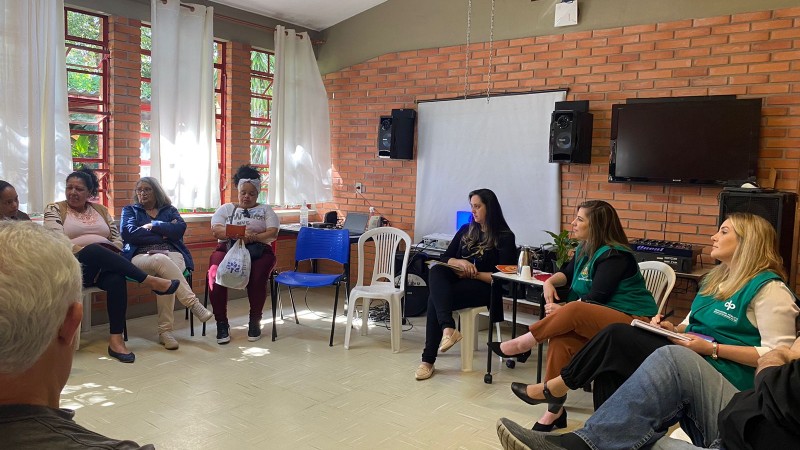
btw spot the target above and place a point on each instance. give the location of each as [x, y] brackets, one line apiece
[658, 330]
[235, 231]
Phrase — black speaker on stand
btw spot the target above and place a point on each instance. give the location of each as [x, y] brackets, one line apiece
[778, 208]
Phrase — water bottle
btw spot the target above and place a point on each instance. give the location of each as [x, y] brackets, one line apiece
[304, 214]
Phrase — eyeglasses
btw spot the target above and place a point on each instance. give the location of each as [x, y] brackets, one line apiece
[144, 191]
[246, 213]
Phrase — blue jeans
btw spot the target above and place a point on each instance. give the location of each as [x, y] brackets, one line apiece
[674, 384]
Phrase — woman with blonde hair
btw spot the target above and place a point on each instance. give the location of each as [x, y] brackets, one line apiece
[742, 311]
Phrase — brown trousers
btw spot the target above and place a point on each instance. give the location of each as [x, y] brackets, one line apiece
[571, 328]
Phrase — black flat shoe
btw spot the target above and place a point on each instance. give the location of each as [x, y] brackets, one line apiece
[172, 288]
[122, 357]
[561, 422]
[554, 404]
[521, 357]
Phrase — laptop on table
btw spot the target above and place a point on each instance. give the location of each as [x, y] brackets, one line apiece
[356, 223]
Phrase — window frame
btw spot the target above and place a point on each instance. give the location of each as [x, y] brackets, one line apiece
[260, 121]
[85, 105]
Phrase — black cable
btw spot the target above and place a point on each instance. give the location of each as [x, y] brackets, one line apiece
[380, 315]
[373, 209]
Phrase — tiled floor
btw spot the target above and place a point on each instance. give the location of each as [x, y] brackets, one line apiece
[296, 392]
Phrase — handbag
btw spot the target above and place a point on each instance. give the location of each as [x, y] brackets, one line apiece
[256, 249]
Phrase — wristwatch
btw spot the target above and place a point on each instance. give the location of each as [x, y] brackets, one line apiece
[714, 349]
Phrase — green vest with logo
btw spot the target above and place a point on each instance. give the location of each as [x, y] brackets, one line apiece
[726, 321]
[631, 296]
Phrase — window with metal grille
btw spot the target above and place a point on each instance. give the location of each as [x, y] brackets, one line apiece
[86, 38]
[262, 69]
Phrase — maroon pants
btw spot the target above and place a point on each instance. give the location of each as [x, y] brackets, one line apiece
[256, 288]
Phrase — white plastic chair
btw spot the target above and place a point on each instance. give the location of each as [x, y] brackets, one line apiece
[468, 318]
[659, 279]
[382, 286]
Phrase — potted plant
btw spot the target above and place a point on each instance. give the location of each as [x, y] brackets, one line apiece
[562, 245]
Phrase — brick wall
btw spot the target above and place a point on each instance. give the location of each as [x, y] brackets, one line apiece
[749, 55]
[124, 91]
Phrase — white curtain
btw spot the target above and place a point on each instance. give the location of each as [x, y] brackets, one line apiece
[183, 152]
[300, 146]
[35, 154]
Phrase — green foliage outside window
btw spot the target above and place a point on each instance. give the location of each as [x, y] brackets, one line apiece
[85, 83]
[262, 68]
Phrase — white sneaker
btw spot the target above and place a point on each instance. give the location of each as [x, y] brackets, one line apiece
[201, 312]
[168, 340]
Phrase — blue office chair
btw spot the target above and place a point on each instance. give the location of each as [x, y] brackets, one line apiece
[316, 244]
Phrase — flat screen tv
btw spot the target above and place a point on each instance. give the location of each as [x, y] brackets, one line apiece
[694, 140]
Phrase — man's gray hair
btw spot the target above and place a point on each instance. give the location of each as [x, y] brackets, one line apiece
[39, 279]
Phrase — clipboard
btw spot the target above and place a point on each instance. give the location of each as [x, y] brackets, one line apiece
[432, 263]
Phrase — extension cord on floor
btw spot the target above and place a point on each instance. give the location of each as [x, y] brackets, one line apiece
[380, 313]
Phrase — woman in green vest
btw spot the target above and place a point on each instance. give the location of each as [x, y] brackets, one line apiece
[742, 311]
[605, 287]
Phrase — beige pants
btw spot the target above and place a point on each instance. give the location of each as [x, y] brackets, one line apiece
[170, 267]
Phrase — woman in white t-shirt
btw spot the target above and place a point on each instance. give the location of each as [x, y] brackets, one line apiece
[261, 230]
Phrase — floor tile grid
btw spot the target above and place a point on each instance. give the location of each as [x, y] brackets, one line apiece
[295, 392]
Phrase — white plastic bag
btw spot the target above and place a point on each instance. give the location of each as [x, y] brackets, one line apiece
[234, 270]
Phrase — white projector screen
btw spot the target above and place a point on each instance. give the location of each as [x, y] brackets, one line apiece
[502, 145]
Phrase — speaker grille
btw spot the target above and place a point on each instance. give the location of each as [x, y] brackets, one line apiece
[385, 137]
[570, 137]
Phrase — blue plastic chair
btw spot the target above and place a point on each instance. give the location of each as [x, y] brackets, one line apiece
[316, 244]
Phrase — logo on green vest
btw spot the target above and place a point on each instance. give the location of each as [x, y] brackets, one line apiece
[729, 305]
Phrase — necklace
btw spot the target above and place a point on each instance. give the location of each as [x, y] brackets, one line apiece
[87, 217]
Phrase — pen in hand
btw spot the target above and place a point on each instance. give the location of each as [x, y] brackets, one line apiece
[657, 321]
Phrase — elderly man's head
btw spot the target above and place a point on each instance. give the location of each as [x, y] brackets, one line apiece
[39, 280]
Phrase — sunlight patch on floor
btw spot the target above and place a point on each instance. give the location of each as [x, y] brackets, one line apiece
[88, 394]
